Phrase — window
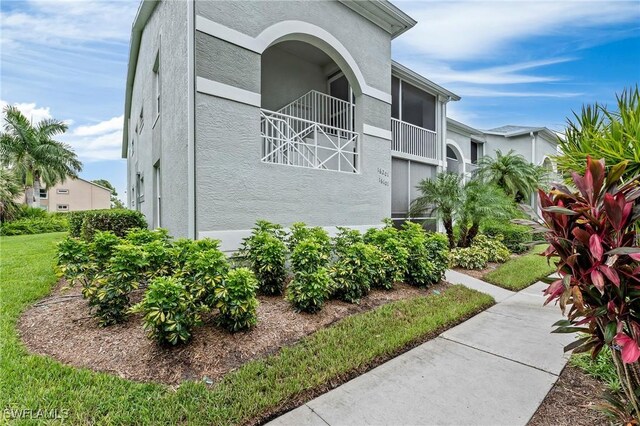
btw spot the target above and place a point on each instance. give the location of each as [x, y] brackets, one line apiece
[62, 191]
[133, 145]
[44, 194]
[418, 107]
[141, 120]
[450, 154]
[62, 207]
[158, 193]
[156, 87]
[474, 152]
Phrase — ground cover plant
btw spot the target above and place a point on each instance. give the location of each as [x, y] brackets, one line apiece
[255, 391]
[592, 234]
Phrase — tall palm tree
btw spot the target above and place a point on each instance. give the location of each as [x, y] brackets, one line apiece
[441, 194]
[511, 172]
[34, 155]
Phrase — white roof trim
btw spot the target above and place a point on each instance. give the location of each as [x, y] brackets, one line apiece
[421, 82]
[384, 14]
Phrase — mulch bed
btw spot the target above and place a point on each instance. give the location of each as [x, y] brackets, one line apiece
[479, 273]
[61, 326]
[568, 402]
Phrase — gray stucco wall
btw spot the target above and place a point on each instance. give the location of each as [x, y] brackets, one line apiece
[369, 45]
[234, 188]
[166, 140]
[463, 141]
[286, 77]
[521, 145]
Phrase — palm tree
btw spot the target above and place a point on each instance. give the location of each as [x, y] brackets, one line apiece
[600, 132]
[511, 172]
[10, 189]
[34, 155]
[481, 201]
[441, 194]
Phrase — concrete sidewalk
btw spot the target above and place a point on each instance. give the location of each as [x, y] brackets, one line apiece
[494, 369]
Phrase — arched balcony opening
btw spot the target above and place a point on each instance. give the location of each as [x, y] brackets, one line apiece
[308, 114]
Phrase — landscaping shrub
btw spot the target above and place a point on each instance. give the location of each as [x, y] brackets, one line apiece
[75, 223]
[308, 291]
[592, 233]
[516, 238]
[438, 253]
[358, 268]
[119, 221]
[102, 247]
[27, 212]
[395, 255]
[141, 236]
[300, 231]
[272, 228]
[169, 313]
[421, 271]
[36, 225]
[236, 299]
[204, 269]
[159, 258]
[345, 238]
[311, 284]
[266, 255]
[492, 247]
[74, 261]
[108, 294]
[468, 258]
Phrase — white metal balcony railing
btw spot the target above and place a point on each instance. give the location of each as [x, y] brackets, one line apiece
[414, 140]
[321, 108]
[295, 141]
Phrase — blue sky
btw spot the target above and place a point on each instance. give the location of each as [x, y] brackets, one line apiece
[513, 62]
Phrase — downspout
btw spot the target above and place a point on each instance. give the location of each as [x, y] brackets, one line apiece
[191, 154]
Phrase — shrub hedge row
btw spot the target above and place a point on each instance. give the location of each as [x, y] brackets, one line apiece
[36, 225]
[183, 279]
[517, 238]
[84, 224]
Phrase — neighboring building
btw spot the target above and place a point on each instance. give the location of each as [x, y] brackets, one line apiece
[285, 111]
[74, 195]
[465, 145]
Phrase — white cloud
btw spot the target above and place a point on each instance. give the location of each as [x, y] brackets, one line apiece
[101, 128]
[30, 110]
[92, 142]
[485, 29]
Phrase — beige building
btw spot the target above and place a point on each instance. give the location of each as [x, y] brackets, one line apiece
[74, 195]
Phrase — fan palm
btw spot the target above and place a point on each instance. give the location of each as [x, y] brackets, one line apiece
[34, 155]
[511, 172]
[442, 195]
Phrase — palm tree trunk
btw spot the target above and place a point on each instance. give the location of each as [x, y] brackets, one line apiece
[473, 231]
[464, 232]
[36, 193]
[448, 226]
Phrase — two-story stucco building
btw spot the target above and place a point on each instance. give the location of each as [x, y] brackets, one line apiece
[466, 145]
[287, 111]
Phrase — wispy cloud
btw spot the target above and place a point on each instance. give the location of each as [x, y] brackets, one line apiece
[469, 30]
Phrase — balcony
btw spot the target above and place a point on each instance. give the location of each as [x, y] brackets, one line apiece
[314, 131]
[413, 140]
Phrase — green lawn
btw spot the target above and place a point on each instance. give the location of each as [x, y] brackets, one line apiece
[522, 271]
[259, 387]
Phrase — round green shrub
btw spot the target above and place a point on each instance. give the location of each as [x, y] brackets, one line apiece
[358, 268]
[169, 314]
[266, 255]
[516, 238]
[308, 291]
[493, 247]
[236, 299]
[468, 258]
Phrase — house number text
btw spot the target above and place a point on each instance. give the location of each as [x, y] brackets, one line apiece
[383, 177]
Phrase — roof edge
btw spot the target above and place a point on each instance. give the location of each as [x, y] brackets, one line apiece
[420, 81]
[471, 131]
[384, 14]
[145, 10]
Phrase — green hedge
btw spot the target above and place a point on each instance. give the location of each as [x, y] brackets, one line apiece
[40, 225]
[517, 238]
[85, 223]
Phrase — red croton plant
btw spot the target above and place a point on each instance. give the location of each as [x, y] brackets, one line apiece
[593, 234]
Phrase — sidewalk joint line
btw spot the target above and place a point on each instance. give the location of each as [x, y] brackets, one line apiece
[500, 356]
[316, 413]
